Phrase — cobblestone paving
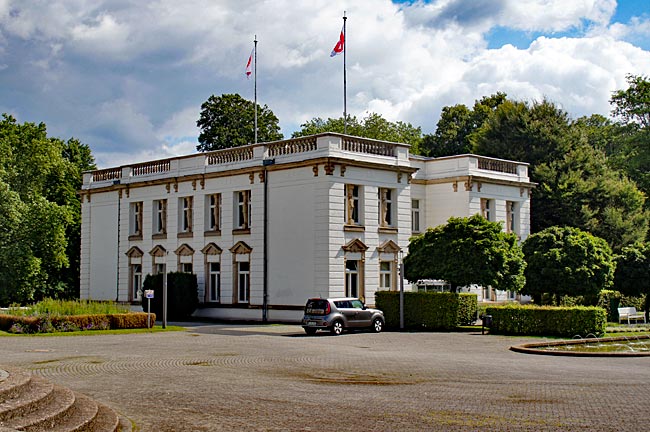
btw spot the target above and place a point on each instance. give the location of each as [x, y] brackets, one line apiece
[274, 378]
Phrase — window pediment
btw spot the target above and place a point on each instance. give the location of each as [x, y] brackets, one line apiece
[211, 249]
[355, 245]
[134, 252]
[158, 251]
[241, 248]
[389, 246]
[184, 250]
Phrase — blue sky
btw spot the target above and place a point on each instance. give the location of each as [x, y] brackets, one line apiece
[128, 77]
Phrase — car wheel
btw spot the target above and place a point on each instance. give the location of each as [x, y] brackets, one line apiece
[310, 331]
[378, 325]
[337, 327]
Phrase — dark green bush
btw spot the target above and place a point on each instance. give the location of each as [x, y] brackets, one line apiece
[610, 301]
[516, 319]
[182, 295]
[430, 311]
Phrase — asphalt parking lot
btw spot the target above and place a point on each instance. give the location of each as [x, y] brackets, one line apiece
[275, 378]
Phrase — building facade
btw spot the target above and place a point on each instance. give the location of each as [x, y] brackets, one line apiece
[266, 226]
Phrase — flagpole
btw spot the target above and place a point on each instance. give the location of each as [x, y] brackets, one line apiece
[255, 85]
[345, 97]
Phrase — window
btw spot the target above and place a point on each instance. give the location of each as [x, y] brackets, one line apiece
[353, 206]
[136, 281]
[352, 278]
[158, 268]
[415, 216]
[243, 210]
[510, 216]
[486, 209]
[243, 282]
[160, 217]
[136, 219]
[385, 275]
[185, 219]
[213, 216]
[214, 282]
[386, 207]
[185, 268]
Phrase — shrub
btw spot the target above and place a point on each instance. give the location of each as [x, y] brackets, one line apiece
[49, 324]
[610, 301]
[182, 294]
[547, 320]
[431, 311]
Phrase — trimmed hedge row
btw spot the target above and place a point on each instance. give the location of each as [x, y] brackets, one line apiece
[48, 324]
[430, 311]
[516, 319]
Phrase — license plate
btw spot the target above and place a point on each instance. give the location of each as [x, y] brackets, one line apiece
[311, 323]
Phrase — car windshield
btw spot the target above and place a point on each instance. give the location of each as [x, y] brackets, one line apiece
[316, 307]
[357, 304]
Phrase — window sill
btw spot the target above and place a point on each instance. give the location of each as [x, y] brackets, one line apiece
[159, 236]
[135, 237]
[212, 233]
[240, 231]
[354, 228]
[387, 230]
[185, 235]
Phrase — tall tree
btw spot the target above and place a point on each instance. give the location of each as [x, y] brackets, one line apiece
[40, 178]
[632, 107]
[229, 121]
[467, 251]
[567, 261]
[632, 276]
[457, 123]
[583, 191]
[372, 126]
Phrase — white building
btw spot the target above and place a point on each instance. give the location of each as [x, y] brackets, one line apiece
[266, 226]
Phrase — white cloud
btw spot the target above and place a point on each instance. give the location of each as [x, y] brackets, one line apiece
[128, 77]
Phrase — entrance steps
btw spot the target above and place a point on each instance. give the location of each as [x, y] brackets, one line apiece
[32, 404]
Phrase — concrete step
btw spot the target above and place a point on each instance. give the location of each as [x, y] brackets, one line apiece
[26, 399]
[12, 383]
[32, 404]
[49, 411]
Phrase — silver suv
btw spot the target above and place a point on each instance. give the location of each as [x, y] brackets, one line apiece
[337, 314]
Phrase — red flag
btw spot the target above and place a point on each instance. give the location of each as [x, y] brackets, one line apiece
[340, 45]
[249, 65]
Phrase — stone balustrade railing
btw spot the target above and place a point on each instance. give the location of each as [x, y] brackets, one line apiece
[359, 145]
[154, 167]
[298, 145]
[230, 155]
[107, 174]
[497, 165]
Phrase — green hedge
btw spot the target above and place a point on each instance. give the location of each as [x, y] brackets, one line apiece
[182, 295]
[547, 320]
[49, 324]
[430, 311]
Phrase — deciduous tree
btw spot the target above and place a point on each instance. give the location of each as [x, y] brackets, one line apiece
[229, 121]
[567, 261]
[467, 251]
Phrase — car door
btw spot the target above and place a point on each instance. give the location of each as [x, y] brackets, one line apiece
[362, 316]
[345, 308]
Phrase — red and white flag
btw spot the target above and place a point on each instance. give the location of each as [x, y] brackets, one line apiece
[340, 45]
[249, 65]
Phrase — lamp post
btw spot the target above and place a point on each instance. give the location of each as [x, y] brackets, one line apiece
[401, 290]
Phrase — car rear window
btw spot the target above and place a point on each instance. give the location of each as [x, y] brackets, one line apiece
[316, 307]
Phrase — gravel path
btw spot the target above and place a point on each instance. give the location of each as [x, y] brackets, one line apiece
[274, 378]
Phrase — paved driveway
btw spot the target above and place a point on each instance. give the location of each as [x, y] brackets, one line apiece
[259, 378]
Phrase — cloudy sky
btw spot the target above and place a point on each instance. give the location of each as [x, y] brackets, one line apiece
[128, 77]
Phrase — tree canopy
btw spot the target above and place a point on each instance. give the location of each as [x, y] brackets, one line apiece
[467, 251]
[567, 261]
[41, 215]
[372, 126]
[457, 124]
[229, 121]
[632, 276]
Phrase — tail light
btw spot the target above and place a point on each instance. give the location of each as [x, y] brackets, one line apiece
[328, 309]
